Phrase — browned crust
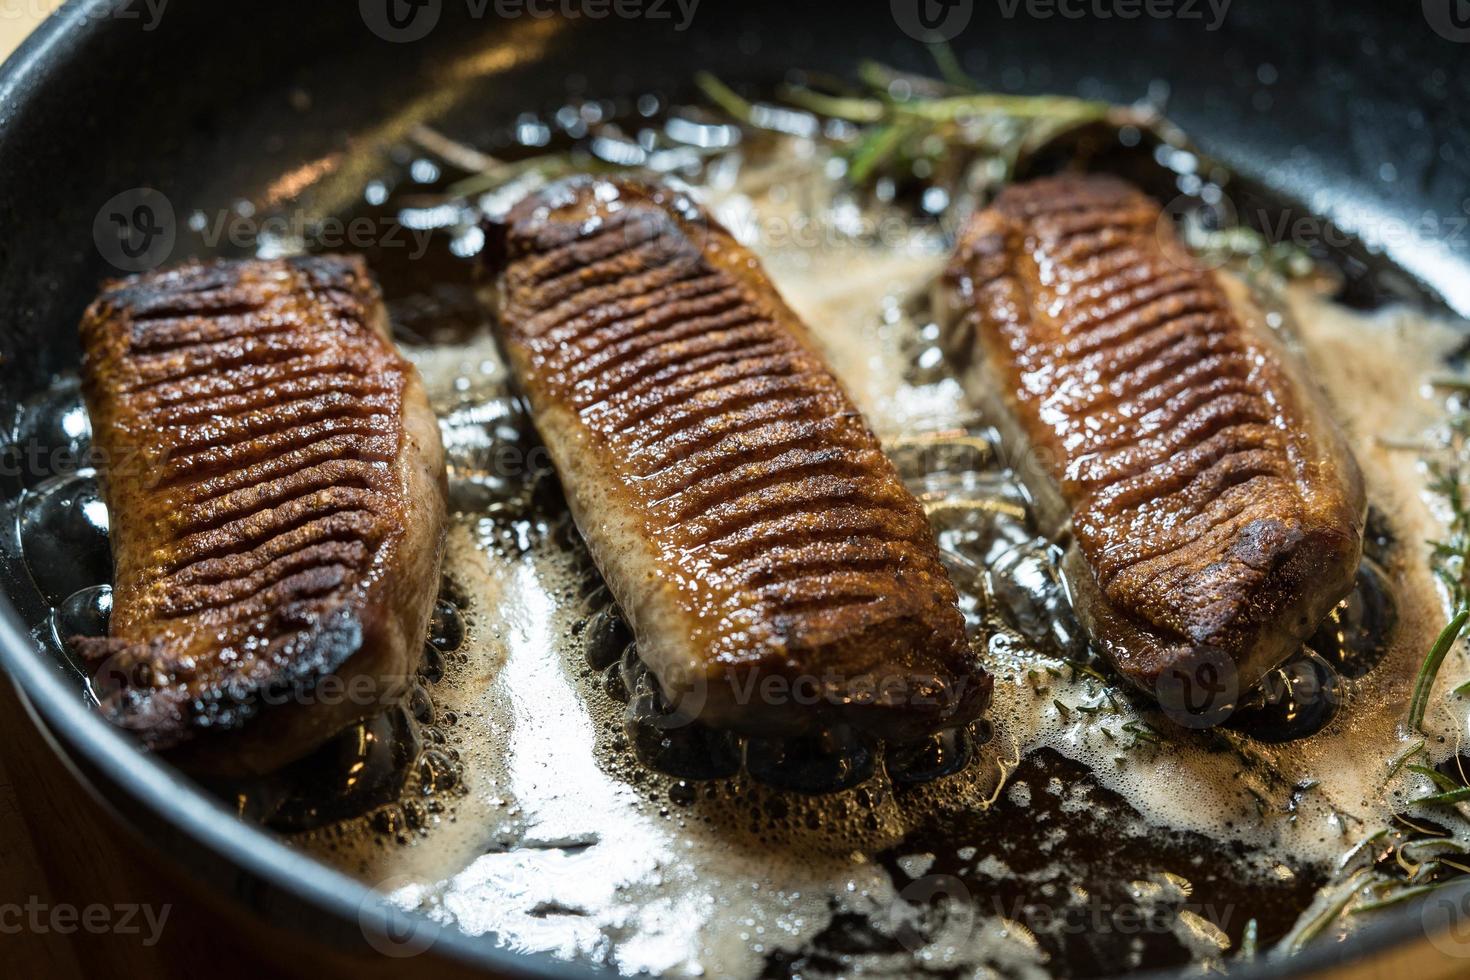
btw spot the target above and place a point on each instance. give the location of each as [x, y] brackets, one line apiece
[1215, 505]
[739, 507]
[274, 480]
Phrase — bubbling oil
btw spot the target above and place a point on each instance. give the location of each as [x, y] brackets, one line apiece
[522, 790]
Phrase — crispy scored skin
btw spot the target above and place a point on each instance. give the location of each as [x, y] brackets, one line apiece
[777, 575]
[1216, 508]
[275, 485]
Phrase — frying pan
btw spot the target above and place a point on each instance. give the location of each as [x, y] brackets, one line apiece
[1360, 109]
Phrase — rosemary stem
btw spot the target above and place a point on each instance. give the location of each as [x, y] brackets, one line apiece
[723, 96]
[836, 106]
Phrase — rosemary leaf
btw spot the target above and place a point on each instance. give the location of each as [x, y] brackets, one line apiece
[1424, 683]
[836, 106]
[1438, 778]
[1459, 795]
[1360, 848]
[1402, 895]
[1397, 762]
[1248, 940]
[875, 148]
[1327, 916]
[949, 67]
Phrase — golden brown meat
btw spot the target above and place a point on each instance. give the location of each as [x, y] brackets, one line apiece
[275, 483]
[1215, 506]
[776, 573]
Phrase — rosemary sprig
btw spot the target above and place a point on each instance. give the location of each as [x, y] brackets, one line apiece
[723, 96]
[1401, 895]
[874, 149]
[1410, 850]
[1449, 557]
[1397, 762]
[1438, 778]
[950, 69]
[1424, 683]
[946, 131]
[1142, 732]
[1460, 794]
[549, 167]
[1248, 941]
[851, 109]
[1312, 929]
[1361, 847]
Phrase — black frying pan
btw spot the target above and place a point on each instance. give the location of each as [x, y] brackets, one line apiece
[1358, 109]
